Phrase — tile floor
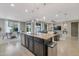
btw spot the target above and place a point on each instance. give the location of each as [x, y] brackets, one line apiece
[67, 47]
[13, 48]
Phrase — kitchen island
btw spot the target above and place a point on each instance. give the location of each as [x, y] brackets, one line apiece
[37, 43]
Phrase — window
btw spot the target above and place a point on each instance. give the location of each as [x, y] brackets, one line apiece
[38, 27]
[28, 28]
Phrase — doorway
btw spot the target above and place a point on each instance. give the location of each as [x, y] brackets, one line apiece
[74, 29]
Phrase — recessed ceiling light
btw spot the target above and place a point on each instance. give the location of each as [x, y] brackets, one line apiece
[26, 10]
[12, 5]
[56, 15]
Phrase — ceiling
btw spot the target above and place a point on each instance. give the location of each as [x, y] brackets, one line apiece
[40, 11]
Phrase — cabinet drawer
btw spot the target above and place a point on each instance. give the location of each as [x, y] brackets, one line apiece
[31, 43]
[38, 40]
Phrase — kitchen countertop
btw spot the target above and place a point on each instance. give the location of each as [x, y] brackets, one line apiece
[44, 36]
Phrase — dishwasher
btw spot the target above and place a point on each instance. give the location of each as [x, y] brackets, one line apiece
[52, 49]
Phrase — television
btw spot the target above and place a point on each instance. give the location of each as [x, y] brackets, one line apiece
[57, 28]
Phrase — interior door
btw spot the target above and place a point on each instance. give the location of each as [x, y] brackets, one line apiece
[74, 29]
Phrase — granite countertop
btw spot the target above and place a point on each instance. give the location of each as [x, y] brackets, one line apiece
[44, 36]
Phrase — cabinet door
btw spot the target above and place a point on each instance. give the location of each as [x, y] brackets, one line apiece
[31, 44]
[38, 47]
[26, 41]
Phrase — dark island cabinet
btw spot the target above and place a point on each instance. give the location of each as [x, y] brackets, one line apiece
[38, 47]
[34, 44]
[26, 41]
[31, 43]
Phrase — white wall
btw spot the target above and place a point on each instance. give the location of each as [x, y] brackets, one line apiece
[67, 26]
[22, 26]
[2, 25]
[69, 29]
[42, 26]
[7, 29]
[49, 26]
